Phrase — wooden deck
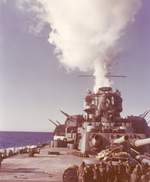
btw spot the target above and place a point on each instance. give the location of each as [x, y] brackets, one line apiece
[40, 168]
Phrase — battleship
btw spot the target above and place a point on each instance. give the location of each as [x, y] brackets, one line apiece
[102, 125]
[99, 134]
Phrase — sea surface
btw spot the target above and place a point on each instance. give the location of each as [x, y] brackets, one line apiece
[18, 139]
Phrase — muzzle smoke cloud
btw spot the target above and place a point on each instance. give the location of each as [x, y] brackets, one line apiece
[86, 33]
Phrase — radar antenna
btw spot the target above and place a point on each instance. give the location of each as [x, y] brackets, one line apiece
[108, 75]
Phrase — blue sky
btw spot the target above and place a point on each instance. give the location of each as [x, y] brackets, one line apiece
[34, 86]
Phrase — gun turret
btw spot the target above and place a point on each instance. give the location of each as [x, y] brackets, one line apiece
[58, 122]
[121, 139]
[69, 117]
[64, 113]
[143, 115]
[136, 143]
[141, 142]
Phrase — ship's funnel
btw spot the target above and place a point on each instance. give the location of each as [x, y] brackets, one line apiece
[141, 142]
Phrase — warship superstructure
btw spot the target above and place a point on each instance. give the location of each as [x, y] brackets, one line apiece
[101, 125]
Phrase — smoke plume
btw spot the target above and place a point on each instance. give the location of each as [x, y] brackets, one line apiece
[86, 33]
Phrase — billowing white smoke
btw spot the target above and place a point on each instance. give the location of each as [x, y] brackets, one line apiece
[86, 32]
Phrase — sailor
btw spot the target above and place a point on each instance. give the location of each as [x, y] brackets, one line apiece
[134, 176]
[107, 172]
[90, 174]
[1, 158]
[148, 174]
[117, 173]
[143, 178]
[81, 172]
[95, 173]
[102, 172]
[87, 174]
[127, 171]
[138, 169]
[111, 172]
[122, 171]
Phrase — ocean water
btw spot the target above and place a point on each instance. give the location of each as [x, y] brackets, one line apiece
[17, 139]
